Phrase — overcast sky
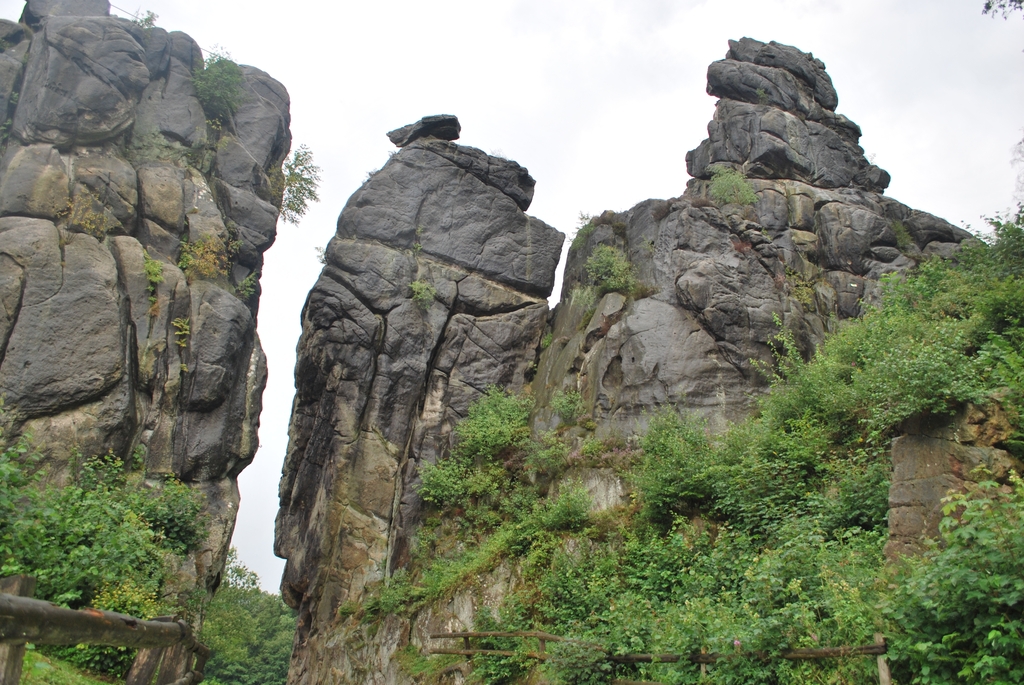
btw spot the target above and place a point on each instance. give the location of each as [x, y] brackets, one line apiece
[601, 100]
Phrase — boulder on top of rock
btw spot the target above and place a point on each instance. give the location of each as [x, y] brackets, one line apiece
[803, 65]
[443, 126]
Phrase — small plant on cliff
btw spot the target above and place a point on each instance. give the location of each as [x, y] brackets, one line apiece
[181, 330]
[568, 405]
[731, 187]
[423, 294]
[154, 271]
[204, 258]
[611, 271]
[146, 21]
[219, 86]
[904, 241]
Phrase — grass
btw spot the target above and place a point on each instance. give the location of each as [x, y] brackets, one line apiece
[42, 670]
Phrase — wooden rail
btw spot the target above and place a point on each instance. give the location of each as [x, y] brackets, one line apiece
[878, 649]
[163, 643]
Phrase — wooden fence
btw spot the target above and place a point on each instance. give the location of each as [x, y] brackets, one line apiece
[163, 643]
[877, 649]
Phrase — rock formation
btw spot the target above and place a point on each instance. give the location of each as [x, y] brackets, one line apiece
[809, 252]
[131, 240]
[433, 290]
[431, 293]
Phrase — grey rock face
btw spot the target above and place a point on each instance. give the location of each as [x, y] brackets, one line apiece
[777, 120]
[719, 281]
[381, 377]
[109, 166]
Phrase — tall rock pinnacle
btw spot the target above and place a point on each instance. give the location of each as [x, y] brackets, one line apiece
[433, 291]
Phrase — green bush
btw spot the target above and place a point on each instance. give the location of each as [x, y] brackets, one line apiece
[497, 421]
[568, 405]
[570, 511]
[673, 477]
[423, 294]
[219, 87]
[611, 271]
[103, 541]
[731, 187]
[959, 608]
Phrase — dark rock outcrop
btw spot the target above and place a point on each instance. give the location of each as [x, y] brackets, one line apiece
[432, 291]
[108, 167]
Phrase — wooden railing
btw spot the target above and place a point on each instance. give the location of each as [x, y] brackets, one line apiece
[163, 643]
[877, 649]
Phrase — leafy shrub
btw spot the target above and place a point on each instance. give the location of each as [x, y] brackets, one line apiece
[568, 405]
[299, 183]
[219, 87]
[423, 294]
[586, 227]
[904, 241]
[570, 511]
[611, 271]
[496, 421]
[575, 663]
[960, 606]
[673, 477]
[204, 258]
[731, 187]
[104, 541]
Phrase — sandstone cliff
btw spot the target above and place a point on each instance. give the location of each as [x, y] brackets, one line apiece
[131, 240]
[384, 371]
[433, 290]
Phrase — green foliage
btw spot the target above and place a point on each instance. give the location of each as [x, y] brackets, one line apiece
[577, 663]
[41, 669]
[105, 540]
[219, 87]
[569, 511]
[960, 606]
[205, 258]
[673, 477]
[423, 294]
[611, 271]
[904, 241]
[300, 181]
[730, 187]
[583, 231]
[568, 405]
[146, 21]
[496, 422]
[247, 287]
[545, 342]
[1002, 6]
[250, 631]
[182, 330]
[154, 271]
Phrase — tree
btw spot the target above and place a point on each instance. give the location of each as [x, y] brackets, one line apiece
[301, 180]
[1002, 6]
[250, 631]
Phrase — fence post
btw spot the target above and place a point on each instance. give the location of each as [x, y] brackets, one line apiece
[12, 656]
[884, 678]
[176, 663]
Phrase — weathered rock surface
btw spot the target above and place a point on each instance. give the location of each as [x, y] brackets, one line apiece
[433, 290]
[937, 455]
[109, 165]
[718, 281]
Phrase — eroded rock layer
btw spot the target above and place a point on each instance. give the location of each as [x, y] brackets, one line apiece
[433, 290]
[111, 176]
